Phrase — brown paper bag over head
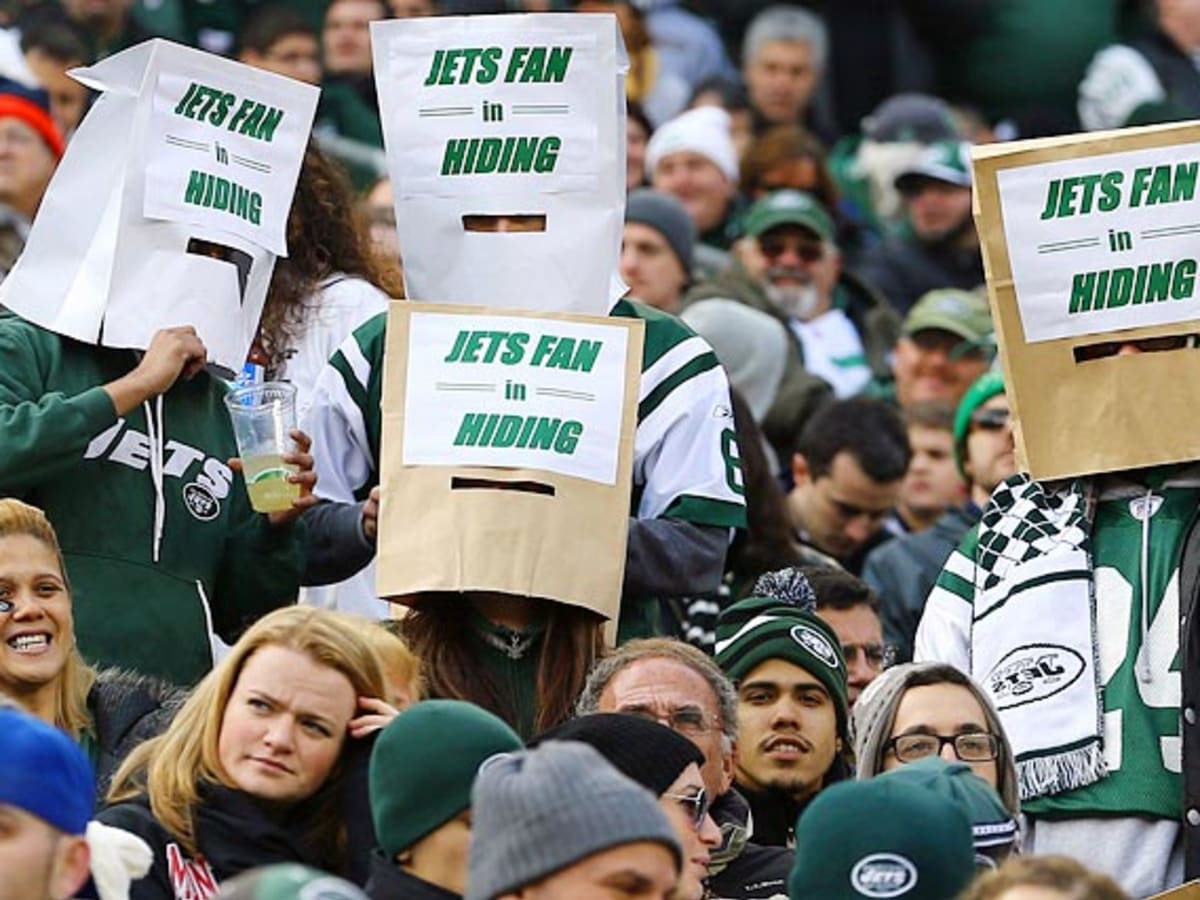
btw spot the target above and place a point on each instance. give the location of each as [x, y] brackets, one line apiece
[1090, 245]
[506, 459]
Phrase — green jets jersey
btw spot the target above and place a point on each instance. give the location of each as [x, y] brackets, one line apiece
[1138, 647]
[1138, 639]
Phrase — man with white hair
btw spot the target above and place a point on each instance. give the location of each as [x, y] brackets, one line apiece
[783, 57]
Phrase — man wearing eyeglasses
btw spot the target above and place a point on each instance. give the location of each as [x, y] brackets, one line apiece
[941, 247]
[677, 685]
[841, 332]
[946, 342]
[903, 571]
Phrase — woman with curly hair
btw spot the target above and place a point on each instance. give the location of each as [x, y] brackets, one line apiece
[330, 282]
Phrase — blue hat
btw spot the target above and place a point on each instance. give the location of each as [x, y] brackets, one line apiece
[43, 772]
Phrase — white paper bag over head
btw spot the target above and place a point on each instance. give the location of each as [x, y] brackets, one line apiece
[505, 140]
[170, 204]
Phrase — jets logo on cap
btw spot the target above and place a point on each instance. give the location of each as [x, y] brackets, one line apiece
[816, 644]
[883, 875]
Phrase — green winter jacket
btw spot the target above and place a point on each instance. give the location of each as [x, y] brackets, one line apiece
[800, 393]
[219, 565]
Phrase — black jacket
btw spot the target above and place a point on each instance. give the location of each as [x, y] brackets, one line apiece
[233, 833]
[390, 882]
[126, 709]
[904, 268]
[758, 873]
[775, 815]
[743, 870]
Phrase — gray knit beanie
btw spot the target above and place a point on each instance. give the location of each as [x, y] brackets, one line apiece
[667, 216]
[536, 812]
[874, 714]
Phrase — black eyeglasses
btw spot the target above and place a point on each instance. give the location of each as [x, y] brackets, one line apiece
[695, 805]
[989, 419]
[974, 746]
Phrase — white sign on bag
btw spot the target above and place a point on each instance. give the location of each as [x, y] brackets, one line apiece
[494, 117]
[170, 204]
[520, 392]
[525, 107]
[221, 152]
[1104, 242]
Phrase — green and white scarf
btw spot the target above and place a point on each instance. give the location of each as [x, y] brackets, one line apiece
[1033, 635]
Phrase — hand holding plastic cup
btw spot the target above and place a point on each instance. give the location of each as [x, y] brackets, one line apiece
[263, 417]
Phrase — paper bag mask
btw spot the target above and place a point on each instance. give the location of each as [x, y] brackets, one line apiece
[1089, 242]
[508, 443]
[514, 119]
[170, 204]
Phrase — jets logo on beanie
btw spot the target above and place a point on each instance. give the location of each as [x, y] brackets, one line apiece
[783, 625]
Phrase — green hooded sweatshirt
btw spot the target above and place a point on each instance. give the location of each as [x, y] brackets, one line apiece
[144, 597]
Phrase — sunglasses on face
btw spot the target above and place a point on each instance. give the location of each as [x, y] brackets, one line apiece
[774, 246]
[695, 805]
[989, 419]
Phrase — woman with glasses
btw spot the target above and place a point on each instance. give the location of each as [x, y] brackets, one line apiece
[668, 765]
[930, 709]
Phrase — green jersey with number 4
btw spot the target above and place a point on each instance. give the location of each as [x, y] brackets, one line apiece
[1138, 637]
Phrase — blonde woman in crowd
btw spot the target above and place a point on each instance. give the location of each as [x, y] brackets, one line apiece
[259, 766]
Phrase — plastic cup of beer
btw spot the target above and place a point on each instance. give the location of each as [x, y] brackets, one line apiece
[264, 416]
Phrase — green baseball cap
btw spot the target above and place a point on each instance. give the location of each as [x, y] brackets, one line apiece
[964, 313]
[945, 161]
[788, 208]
